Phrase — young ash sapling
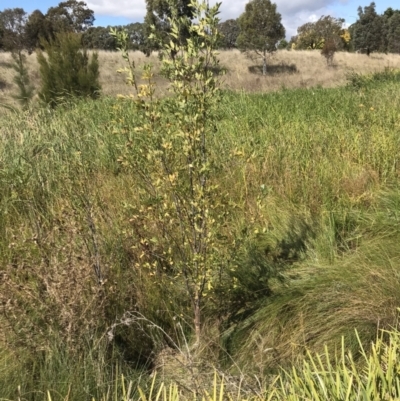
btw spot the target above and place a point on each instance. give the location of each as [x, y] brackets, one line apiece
[178, 219]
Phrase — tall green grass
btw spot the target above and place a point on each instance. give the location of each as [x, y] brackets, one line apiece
[312, 176]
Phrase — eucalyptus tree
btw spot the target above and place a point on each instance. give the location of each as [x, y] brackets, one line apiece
[12, 28]
[98, 37]
[392, 30]
[260, 29]
[159, 13]
[229, 31]
[367, 31]
[313, 35]
[70, 16]
[37, 28]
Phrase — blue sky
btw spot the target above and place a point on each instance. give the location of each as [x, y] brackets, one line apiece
[294, 12]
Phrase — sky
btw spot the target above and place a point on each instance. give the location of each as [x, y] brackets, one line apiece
[294, 12]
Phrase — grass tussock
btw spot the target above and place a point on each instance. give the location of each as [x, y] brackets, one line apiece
[331, 375]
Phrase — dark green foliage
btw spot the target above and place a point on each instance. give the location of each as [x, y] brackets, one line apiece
[158, 13]
[367, 30]
[12, 23]
[374, 32]
[37, 27]
[261, 260]
[98, 38]
[394, 33]
[229, 30]
[260, 29]
[284, 44]
[67, 71]
[70, 16]
[137, 36]
[1, 36]
[21, 79]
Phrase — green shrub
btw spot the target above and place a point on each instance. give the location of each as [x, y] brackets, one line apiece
[67, 70]
[359, 81]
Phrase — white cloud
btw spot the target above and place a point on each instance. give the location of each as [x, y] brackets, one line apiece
[294, 12]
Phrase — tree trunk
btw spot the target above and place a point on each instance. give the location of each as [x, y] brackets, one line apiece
[264, 64]
[197, 318]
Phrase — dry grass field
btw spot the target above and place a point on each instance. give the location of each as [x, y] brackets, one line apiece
[289, 69]
[299, 69]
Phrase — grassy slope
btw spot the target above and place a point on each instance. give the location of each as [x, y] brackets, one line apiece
[329, 156]
[324, 159]
[290, 69]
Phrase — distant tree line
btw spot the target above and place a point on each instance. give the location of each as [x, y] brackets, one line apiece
[18, 30]
[374, 32]
[100, 38]
[370, 33]
[258, 29]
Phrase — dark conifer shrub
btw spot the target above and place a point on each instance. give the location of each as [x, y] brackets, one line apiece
[67, 70]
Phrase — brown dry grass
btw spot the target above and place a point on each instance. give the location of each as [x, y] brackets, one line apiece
[299, 69]
[289, 69]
